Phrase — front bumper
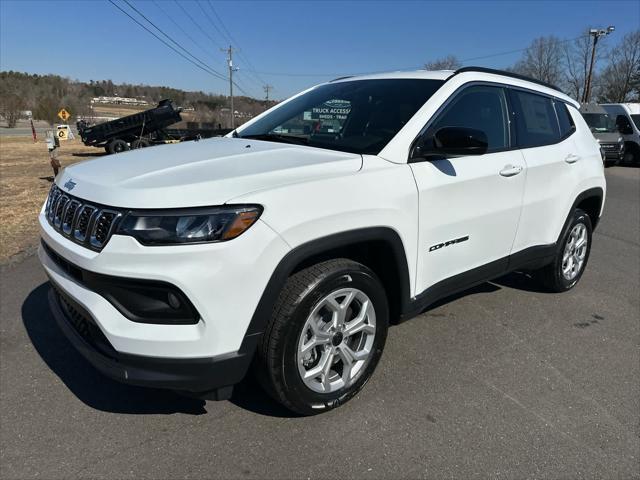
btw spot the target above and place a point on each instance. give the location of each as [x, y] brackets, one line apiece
[206, 377]
[612, 152]
[224, 282]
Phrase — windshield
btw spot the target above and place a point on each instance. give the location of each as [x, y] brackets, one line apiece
[636, 120]
[359, 116]
[600, 122]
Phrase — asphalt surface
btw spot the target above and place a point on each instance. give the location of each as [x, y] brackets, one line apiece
[503, 382]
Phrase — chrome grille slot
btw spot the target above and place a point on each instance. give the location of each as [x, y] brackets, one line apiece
[83, 222]
[69, 216]
[87, 224]
[105, 220]
[55, 196]
[59, 210]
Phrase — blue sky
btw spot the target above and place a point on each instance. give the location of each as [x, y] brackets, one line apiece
[303, 42]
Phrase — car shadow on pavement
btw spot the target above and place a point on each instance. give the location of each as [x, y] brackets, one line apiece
[249, 395]
[520, 281]
[86, 383]
[105, 394]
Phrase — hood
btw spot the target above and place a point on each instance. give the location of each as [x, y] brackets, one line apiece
[203, 173]
[607, 137]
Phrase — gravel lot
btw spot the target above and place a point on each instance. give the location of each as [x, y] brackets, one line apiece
[503, 382]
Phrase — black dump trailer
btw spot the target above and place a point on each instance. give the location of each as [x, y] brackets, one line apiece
[133, 131]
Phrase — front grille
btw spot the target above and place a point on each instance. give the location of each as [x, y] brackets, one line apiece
[610, 147]
[89, 225]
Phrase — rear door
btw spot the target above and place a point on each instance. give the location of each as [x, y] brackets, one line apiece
[544, 132]
[469, 205]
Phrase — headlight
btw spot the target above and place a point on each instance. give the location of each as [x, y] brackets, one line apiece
[620, 139]
[198, 225]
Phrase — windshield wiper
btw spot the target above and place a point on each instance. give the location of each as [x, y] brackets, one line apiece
[274, 137]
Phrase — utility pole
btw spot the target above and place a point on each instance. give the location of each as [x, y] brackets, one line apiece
[267, 89]
[229, 52]
[596, 34]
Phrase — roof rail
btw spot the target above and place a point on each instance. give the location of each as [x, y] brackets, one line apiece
[341, 78]
[505, 74]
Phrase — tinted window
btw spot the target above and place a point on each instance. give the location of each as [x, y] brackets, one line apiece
[482, 108]
[359, 116]
[624, 125]
[564, 119]
[536, 122]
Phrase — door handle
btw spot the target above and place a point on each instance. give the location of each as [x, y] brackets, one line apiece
[511, 170]
[571, 158]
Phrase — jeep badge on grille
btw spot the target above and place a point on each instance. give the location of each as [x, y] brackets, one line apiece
[70, 184]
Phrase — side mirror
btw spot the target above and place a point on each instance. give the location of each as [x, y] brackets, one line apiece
[624, 127]
[453, 141]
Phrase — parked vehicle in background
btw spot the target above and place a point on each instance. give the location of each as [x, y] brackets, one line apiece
[603, 127]
[291, 244]
[627, 118]
[133, 131]
[142, 129]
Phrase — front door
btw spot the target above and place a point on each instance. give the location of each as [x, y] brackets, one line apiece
[469, 206]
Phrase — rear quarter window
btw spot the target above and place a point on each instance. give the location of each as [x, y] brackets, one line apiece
[567, 127]
[536, 121]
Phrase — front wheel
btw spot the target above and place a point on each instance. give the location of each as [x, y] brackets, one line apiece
[572, 254]
[325, 337]
[117, 146]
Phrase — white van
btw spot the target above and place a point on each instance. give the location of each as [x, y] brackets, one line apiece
[627, 117]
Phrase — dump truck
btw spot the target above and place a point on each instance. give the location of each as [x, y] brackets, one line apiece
[138, 130]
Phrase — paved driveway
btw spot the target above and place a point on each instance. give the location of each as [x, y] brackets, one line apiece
[503, 381]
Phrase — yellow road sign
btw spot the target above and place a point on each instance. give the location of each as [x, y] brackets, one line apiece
[64, 115]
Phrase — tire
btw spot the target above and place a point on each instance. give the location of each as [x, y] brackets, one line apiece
[631, 153]
[139, 143]
[117, 146]
[564, 273]
[281, 363]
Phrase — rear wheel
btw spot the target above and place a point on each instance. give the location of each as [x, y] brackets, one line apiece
[325, 337]
[572, 255]
[117, 146]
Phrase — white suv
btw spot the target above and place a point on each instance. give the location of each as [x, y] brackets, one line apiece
[293, 243]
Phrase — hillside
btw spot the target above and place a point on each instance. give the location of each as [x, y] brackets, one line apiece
[44, 95]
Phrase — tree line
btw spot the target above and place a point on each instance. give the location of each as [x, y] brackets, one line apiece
[616, 75]
[45, 95]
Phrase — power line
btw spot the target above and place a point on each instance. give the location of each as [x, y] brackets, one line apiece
[301, 74]
[197, 24]
[230, 37]
[186, 34]
[173, 41]
[210, 20]
[206, 70]
[213, 24]
[514, 51]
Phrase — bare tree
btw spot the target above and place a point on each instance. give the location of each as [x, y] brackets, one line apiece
[577, 56]
[450, 62]
[47, 109]
[11, 108]
[620, 80]
[542, 60]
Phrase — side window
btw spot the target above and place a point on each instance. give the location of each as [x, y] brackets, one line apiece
[479, 107]
[567, 127]
[623, 124]
[536, 122]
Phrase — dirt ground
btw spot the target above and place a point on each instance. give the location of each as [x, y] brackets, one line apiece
[25, 179]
